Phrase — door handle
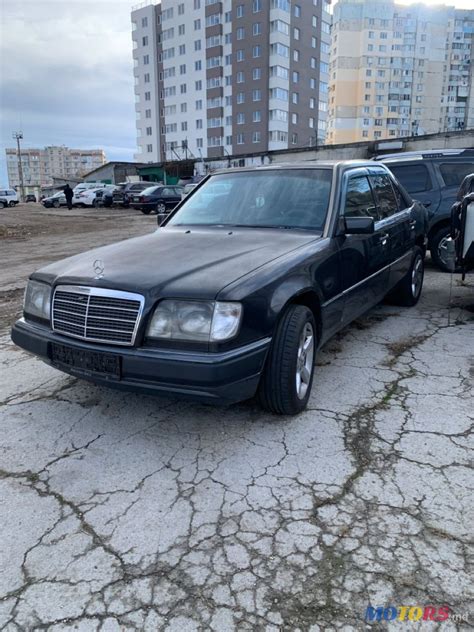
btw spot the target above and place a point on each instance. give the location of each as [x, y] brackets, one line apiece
[383, 239]
[413, 225]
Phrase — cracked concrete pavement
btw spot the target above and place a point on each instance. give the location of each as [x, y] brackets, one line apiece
[126, 512]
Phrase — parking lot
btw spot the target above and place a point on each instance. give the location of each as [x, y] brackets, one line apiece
[127, 512]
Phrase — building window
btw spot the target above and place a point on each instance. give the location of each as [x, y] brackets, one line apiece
[149, 148]
[181, 29]
[240, 77]
[256, 116]
[228, 16]
[147, 96]
[182, 49]
[296, 33]
[146, 59]
[240, 118]
[181, 8]
[294, 118]
[228, 140]
[182, 69]
[257, 28]
[144, 22]
[198, 65]
[297, 11]
[256, 6]
[314, 21]
[199, 124]
[256, 73]
[311, 122]
[149, 131]
[296, 55]
[197, 4]
[257, 95]
[240, 11]
[228, 60]
[240, 97]
[294, 139]
[312, 103]
[199, 104]
[240, 33]
[256, 51]
[295, 76]
[197, 24]
[145, 40]
[198, 85]
[147, 113]
[240, 139]
[199, 143]
[197, 45]
[256, 137]
[240, 55]
[295, 97]
[146, 77]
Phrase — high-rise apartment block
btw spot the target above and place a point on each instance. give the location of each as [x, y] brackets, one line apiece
[222, 77]
[399, 70]
[41, 165]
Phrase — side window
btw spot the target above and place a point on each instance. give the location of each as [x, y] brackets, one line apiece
[453, 173]
[166, 192]
[359, 199]
[415, 177]
[384, 195]
[3, 192]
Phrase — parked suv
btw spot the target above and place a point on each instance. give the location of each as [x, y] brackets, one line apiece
[8, 197]
[433, 178]
[234, 294]
[126, 190]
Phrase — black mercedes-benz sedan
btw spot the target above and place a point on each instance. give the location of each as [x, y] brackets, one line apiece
[232, 296]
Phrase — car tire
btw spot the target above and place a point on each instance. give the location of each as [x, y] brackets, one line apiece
[11, 204]
[95, 203]
[407, 293]
[437, 245]
[161, 209]
[2, 204]
[56, 204]
[146, 211]
[285, 385]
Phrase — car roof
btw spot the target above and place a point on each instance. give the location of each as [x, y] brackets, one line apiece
[308, 164]
[425, 155]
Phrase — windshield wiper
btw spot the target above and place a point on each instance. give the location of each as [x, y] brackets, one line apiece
[261, 226]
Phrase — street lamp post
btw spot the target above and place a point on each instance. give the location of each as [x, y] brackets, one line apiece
[18, 136]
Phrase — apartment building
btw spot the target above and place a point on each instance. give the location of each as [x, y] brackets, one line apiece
[40, 165]
[229, 77]
[399, 70]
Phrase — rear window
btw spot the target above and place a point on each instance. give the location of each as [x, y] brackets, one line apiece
[453, 173]
[414, 177]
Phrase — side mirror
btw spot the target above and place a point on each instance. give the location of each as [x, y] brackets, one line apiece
[359, 225]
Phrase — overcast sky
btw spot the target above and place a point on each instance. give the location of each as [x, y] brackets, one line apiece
[66, 74]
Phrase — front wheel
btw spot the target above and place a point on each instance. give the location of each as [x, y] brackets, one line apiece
[11, 203]
[56, 204]
[286, 382]
[407, 293]
[2, 204]
[161, 208]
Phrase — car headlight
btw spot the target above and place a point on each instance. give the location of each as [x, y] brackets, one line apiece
[37, 300]
[199, 321]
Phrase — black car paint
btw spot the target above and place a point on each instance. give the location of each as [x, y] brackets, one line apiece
[340, 276]
[158, 196]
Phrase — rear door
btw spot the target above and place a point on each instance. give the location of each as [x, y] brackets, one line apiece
[365, 259]
[168, 197]
[420, 181]
[396, 220]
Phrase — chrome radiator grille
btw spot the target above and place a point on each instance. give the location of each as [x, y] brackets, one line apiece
[96, 314]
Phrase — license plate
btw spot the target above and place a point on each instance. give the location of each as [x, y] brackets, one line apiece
[105, 364]
[136, 199]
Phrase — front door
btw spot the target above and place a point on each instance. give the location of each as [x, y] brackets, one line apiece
[365, 259]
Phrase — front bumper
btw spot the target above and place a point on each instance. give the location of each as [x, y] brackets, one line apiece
[221, 378]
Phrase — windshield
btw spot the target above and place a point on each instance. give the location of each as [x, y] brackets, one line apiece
[286, 198]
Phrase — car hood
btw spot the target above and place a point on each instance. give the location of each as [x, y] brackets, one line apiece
[178, 261]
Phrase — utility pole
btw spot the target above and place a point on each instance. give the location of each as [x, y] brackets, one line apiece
[18, 136]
